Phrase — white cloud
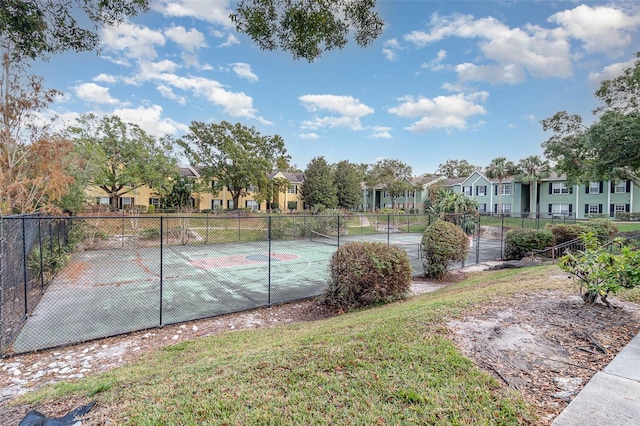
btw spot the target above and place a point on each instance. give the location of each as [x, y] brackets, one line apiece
[150, 120]
[94, 93]
[190, 40]
[243, 70]
[601, 29]
[610, 72]
[310, 135]
[231, 40]
[389, 49]
[132, 41]
[512, 51]
[166, 92]
[436, 63]
[444, 112]
[236, 104]
[348, 109]
[105, 78]
[380, 132]
[215, 12]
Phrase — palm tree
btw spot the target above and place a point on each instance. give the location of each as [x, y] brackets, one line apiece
[532, 170]
[500, 169]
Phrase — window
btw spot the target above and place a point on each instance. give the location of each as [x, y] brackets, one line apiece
[481, 191]
[560, 209]
[411, 194]
[466, 190]
[388, 205]
[251, 204]
[127, 201]
[482, 208]
[620, 187]
[154, 202]
[506, 189]
[368, 193]
[401, 205]
[103, 201]
[293, 189]
[593, 209]
[594, 188]
[213, 184]
[619, 208]
[504, 208]
[230, 205]
[559, 188]
[410, 205]
[216, 204]
[386, 194]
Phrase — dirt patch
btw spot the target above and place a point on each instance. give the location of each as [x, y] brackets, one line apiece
[546, 345]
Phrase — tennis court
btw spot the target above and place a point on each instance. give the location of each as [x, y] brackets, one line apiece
[103, 293]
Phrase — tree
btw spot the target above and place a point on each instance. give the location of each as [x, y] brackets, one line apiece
[180, 193]
[347, 179]
[122, 157]
[456, 208]
[500, 169]
[40, 27]
[307, 28]
[601, 272]
[270, 192]
[318, 187]
[393, 176]
[33, 163]
[608, 149]
[237, 156]
[532, 170]
[456, 168]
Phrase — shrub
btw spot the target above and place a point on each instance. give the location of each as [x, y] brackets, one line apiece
[600, 272]
[281, 227]
[443, 244]
[366, 274]
[151, 208]
[520, 242]
[149, 234]
[563, 233]
[603, 229]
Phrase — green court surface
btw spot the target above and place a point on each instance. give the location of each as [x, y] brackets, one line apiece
[104, 293]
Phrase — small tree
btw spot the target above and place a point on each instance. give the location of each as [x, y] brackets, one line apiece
[392, 175]
[318, 187]
[601, 272]
[443, 244]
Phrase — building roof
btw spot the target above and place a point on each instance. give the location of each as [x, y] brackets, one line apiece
[291, 177]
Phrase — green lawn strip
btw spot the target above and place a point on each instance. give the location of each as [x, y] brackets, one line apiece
[392, 364]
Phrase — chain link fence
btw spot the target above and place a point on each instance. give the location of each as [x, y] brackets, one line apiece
[65, 280]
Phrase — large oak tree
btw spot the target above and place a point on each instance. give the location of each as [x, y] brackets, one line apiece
[236, 156]
[121, 157]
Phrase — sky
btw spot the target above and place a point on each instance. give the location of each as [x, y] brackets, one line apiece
[451, 80]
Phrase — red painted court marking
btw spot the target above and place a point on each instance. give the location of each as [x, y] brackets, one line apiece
[238, 260]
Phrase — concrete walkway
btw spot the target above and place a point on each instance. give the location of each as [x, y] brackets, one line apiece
[612, 396]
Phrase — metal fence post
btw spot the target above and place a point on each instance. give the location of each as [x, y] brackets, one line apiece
[24, 266]
[502, 238]
[161, 263]
[338, 240]
[41, 257]
[269, 266]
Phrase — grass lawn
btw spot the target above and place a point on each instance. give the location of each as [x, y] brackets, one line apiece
[393, 364]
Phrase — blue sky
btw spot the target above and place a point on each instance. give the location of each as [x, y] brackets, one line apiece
[446, 80]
